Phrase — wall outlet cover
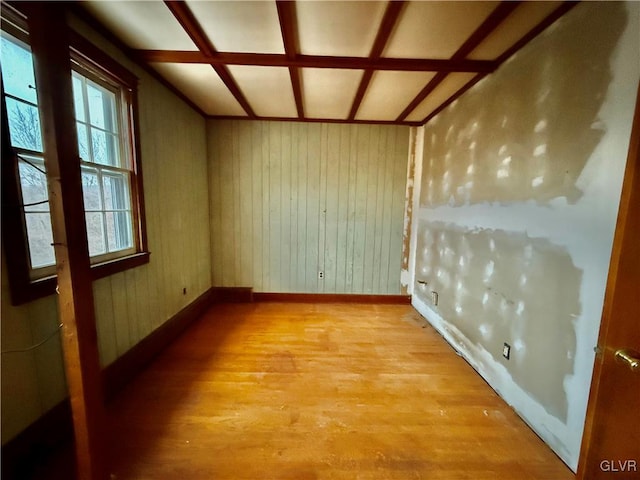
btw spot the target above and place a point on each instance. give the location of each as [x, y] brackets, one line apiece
[506, 350]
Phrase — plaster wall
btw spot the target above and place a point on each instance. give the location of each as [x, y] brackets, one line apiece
[516, 209]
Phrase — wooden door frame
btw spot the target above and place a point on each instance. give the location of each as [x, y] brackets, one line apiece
[596, 395]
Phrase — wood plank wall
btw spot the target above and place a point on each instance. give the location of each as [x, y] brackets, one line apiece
[131, 304]
[288, 200]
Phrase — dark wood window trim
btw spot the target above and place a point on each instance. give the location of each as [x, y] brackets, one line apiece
[14, 234]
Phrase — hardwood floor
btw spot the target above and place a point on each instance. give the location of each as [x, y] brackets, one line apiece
[318, 391]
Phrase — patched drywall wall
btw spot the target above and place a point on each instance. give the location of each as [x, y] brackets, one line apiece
[517, 203]
[498, 286]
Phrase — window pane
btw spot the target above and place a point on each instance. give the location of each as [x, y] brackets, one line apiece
[83, 143]
[104, 148]
[102, 105]
[40, 239]
[116, 191]
[78, 101]
[119, 230]
[17, 69]
[24, 125]
[91, 189]
[34, 186]
[95, 233]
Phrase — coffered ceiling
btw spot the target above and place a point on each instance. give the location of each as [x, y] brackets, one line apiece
[347, 61]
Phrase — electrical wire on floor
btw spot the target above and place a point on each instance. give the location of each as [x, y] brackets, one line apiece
[33, 347]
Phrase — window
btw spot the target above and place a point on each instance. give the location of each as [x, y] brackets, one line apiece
[106, 169]
[21, 101]
[104, 97]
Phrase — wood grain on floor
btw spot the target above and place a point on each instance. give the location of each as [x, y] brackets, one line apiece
[304, 391]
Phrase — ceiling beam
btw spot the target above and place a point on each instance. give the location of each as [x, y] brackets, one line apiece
[288, 27]
[317, 61]
[494, 19]
[316, 120]
[534, 32]
[190, 24]
[389, 20]
[454, 97]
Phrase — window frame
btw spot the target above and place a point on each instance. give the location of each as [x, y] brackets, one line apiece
[90, 59]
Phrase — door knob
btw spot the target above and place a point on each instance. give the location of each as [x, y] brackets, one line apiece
[630, 358]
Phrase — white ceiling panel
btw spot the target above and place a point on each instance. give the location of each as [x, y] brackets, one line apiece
[233, 26]
[435, 29]
[328, 93]
[449, 86]
[326, 29]
[203, 86]
[267, 89]
[390, 92]
[513, 28]
[138, 24]
[338, 28]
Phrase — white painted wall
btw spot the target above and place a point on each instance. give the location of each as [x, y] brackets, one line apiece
[291, 199]
[533, 155]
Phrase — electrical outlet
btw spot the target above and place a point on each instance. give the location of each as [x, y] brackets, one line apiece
[506, 350]
[434, 298]
[320, 274]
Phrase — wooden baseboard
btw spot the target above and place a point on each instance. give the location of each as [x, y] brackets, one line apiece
[118, 374]
[232, 294]
[330, 298]
[31, 447]
[21, 454]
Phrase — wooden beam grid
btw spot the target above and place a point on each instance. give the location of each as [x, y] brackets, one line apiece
[316, 61]
[294, 61]
[494, 19]
[389, 20]
[288, 27]
[501, 12]
[192, 27]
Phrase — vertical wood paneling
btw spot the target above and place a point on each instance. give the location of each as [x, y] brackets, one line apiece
[285, 208]
[266, 199]
[360, 219]
[129, 305]
[105, 320]
[235, 202]
[401, 146]
[48, 357]
[351, 219]
[293, 211]
[341, 177]
[214, 143]
[275, 208]
[120, 315]
[301, 239]
[313, 207]
[322, 205]
[306, 197]
[331, 190]
[245, 202]
[256, 203]
[228, 206]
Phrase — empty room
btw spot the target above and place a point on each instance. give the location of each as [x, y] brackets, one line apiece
[320, 240]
